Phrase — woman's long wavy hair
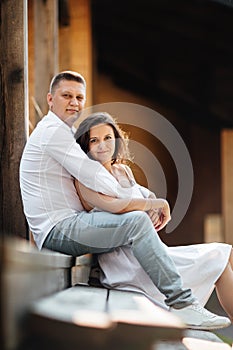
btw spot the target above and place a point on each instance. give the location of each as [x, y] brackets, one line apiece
[82, 136]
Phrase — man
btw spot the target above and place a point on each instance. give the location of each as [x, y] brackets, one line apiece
[50, 162]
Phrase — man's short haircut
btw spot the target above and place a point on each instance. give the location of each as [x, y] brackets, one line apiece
[66, 75]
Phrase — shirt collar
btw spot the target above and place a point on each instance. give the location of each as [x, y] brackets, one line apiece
[53, 116]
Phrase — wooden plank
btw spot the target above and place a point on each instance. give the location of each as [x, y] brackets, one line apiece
[81, 34]
[31, 70]
[125, 320]
[27, 275]
[19, 253]
[205, 335]
[75, 42]
[197, 344]
[46, 333]
[94, 322]
[135, 308]
[227, 183]
[80, 272]
[13, 112]
[46, 49]
[83, 306]
[71, 319]
[141, 321]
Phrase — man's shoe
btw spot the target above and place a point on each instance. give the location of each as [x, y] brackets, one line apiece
[197, 317]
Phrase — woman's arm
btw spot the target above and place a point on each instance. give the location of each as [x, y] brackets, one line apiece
[155, 215]
[119, 205]
[78, 187]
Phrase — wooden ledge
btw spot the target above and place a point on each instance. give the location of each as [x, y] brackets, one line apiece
[119, 319]
[200, 344]
[21, 253]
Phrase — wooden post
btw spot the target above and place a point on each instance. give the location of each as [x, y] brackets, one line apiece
[46, 50]
[13, 112]
[33, 116]
[227, 184]
[75, 43]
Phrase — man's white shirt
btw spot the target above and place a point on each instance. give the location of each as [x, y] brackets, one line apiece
[50, 162]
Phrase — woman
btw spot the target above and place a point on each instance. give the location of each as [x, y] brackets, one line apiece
[102, 139]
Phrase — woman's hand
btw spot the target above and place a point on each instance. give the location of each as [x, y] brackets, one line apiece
[164, 217]
[154, 215]
[160, 216]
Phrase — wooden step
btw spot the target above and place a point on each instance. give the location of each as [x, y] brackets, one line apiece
[27, 274]
[200, 344]
[98, 318]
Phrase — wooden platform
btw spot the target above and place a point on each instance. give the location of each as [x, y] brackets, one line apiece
[42, 308]
[26, 275]
[118, 319]
[96, 318]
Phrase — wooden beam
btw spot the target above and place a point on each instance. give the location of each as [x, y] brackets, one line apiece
[33, 117]
[227, 183]
[46, 50]
[13, 112]
[75, 43]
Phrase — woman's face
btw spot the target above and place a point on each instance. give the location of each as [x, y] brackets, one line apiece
[102, 143]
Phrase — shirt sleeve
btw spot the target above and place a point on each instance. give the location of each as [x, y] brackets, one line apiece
[60, 144]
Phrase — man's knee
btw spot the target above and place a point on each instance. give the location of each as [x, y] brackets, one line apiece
[140, 218]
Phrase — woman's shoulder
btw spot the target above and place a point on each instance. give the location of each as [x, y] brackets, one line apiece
[122, 169]
[119, 166]
[124, 174]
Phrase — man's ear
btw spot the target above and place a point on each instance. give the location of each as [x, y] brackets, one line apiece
[50, 100]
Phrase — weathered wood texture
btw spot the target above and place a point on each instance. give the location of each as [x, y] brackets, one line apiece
[80, 272]
[46, 48]
[96, 318]
[227, 183]
[203, 344]
[26, 275]
[66, 44]
[33, 114]
[75, 42]
[40, 309]
[13, 112]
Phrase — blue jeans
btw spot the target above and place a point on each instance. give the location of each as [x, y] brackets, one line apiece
[99, 232]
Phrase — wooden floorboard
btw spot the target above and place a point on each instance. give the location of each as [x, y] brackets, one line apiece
[99, 318]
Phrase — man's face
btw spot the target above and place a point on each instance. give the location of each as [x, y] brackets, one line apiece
[67, 100]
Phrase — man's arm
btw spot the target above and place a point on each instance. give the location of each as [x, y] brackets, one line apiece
[59, 143]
